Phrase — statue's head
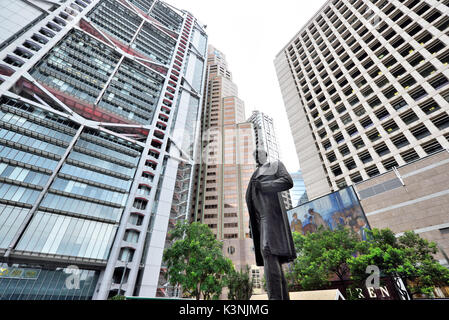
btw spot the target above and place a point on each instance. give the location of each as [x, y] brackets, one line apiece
[261, 156]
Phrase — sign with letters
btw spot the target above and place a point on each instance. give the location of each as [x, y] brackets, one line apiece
[19, 273]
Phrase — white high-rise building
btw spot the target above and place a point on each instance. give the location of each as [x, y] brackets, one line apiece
[365, 86]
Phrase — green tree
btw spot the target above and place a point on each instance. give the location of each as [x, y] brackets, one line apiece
[321, 256]
[325, 254]
[409, 257]
[240, 284]
[196, 262]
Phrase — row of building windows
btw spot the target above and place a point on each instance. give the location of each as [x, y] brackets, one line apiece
[408, 117]
[81, 207]
[154, 43]
[50, 284]
[406, 82]
[351, 17]
[397, 104]
[67, 70]
[346, 57]
[37, 115]
[11, 217]
[339, 60]
[416, 94]
[43, 35]
[27, 157]
[25, 140]
[21, 174]
[230, 236]
[101, 163]
[111, 202]
[107, 179]
[99, 146]
[18, 194]
[166, 16]
[123, 24]
[145, 5]
[115, 19]
[27, 124]
[407, 156]
[79, 65]
[63, 235]
[89, 191]
[389, 163]
[133, 93]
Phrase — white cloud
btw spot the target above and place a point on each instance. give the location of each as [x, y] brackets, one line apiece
[251, 33]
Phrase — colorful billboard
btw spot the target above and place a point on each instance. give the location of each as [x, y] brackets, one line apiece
[340, 208]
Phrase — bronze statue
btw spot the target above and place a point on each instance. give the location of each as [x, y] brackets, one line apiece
[269, 227]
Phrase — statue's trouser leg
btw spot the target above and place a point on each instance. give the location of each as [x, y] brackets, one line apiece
[276, 283]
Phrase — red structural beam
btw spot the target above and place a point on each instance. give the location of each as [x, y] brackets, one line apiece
[91, 30]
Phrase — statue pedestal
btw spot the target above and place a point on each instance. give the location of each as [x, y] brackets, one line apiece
[333, 294]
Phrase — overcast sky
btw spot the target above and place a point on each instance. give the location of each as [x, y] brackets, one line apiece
[251, 33]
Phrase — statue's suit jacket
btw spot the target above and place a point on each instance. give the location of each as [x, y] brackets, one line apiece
[273, 230]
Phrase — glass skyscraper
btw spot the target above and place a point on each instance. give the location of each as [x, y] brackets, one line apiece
[298, 192]
[99, 105]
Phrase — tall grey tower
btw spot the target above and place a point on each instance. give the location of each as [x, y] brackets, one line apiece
[266, 139]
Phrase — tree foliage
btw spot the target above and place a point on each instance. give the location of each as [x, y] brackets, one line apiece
[327, 254]
[196, 262]
[240, 284]
[409, 257]
[322, 255]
